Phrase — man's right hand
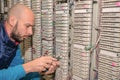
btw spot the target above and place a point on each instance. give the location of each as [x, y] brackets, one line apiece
[41, 64]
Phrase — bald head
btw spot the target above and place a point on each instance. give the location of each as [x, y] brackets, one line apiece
[20, 22]
[20, 11]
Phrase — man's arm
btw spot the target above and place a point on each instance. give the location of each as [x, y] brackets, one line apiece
[15, 71]
[18, 71]
[12, 73]
[18, 61]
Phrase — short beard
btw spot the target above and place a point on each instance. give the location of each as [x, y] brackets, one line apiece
[15, 35]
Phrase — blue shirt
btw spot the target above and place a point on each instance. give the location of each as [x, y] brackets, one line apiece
[16, 71]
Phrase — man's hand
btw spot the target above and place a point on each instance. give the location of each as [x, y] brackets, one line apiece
[53, 67]
[41, 64]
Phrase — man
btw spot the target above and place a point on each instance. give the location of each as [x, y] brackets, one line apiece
[15, 29]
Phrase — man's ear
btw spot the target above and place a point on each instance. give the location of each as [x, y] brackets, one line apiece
[12, 20]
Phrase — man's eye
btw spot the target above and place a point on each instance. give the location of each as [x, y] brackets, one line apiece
[28, 26]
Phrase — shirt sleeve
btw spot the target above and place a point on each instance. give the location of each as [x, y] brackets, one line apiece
[15, 71]
[12, 73]
[18, 61]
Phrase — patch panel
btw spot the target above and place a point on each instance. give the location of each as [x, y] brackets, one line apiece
[106, 61]
[82, 76]
[62, 34]
[82, 15]
[104, 77]
[110, 15]
[60, 25]
[62, 50]
[109, 59]
[61, 21]
[81, 54]
[63, 29]
[78, 46]
[109, 0]
[47, 30]
[117, 9]
[83, 39]
[110, 29]
[47, 1]
[46, 10]
[111, 54]
[44, 32]
[83, 2]
[111, 71]
[62, 37]
[80, 68]
[46, 42]
[110, 4]
[81, 19]
[82, 34]
[46, 19]
[49, 22]
[62, 18]
[62, 46]
[47, 26]
[37, 15]
[85, 42]
[82, 23]
[110, 24]
[110, 38]
[61, 7]
[111, 20]
[82, 42]
[83, 7]
[35, 4]
[110, 48]
[28, 50]
[108, 65]
[84, 31]
[76, 78]
[111, 34]
[48, 7]
[61, 12]
[83, 27]
[60, 15]
[108, 72]
[47, 47]
[83, 11]
[110, 43]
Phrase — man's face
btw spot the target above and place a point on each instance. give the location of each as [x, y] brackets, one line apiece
[21, 30]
